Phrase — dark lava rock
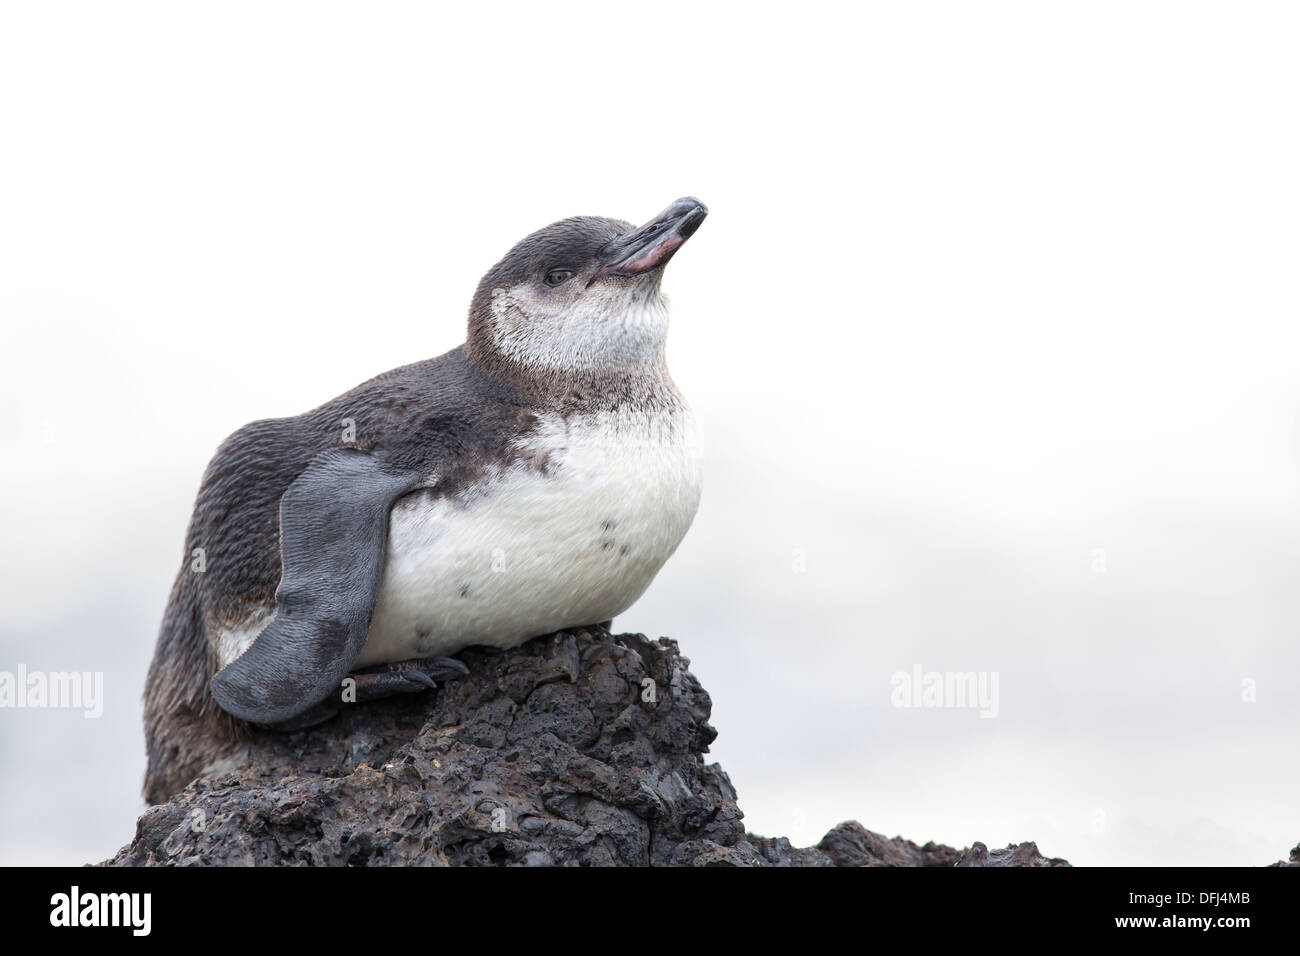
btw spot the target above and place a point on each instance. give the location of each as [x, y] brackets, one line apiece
[574, 749]
[1294, 859]
[1016, 854]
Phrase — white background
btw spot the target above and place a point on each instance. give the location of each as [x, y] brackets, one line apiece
[986, 287]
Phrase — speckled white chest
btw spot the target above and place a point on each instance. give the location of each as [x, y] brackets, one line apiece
[532, 551]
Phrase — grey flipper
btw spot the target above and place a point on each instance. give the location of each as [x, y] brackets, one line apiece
[333, 536]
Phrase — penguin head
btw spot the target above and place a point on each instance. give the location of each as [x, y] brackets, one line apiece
[581, 295]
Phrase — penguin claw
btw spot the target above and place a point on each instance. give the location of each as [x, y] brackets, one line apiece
[406, 677]
[420, 678]
[431, 670]
[442, 668]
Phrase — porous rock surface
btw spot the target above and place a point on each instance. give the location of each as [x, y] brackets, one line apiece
[574, 749]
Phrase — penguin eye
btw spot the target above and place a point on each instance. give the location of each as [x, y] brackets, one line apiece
[558, 276]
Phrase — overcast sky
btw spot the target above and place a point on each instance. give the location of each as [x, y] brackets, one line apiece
[992, 334]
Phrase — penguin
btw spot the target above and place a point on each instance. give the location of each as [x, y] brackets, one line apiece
[532, 480]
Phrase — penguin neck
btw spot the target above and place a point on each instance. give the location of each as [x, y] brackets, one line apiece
[644, 387]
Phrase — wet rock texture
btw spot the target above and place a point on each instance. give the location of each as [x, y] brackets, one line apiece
[575, 749]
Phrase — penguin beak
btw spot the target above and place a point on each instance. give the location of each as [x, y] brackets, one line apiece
[653, 244]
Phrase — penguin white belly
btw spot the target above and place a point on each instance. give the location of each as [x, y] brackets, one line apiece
[532, 550]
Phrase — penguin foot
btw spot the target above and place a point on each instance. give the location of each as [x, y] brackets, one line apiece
[374, 683]
[405, 677]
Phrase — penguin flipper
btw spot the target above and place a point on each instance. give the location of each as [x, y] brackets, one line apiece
[333, 536]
